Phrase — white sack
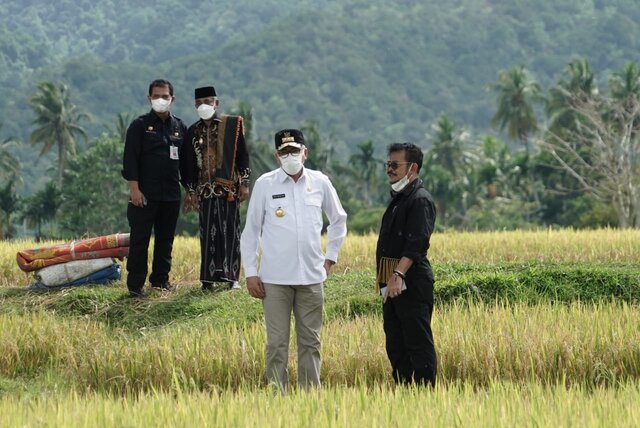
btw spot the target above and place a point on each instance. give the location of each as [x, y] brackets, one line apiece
[66, 272]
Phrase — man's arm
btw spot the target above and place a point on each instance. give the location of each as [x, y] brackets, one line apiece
[337, 229]
[250, 239]
[189, 171]
[131, 159]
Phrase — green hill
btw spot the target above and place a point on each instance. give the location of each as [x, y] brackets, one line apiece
[363, 69]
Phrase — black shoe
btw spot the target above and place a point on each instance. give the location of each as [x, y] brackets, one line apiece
[138, 294]
[166, 286]
[207, 286]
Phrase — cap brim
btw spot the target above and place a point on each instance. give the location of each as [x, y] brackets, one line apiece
[296, 145]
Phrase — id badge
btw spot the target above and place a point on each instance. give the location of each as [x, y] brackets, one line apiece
[173, 152]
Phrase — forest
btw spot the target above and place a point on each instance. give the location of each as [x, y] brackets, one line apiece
[526, 111]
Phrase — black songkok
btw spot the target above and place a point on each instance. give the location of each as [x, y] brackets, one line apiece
[205, 92]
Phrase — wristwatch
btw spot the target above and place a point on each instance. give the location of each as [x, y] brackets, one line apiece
[400, 274]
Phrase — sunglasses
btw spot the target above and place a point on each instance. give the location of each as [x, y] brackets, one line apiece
[394, 164]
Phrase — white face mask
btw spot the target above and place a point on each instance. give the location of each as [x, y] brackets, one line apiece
[160, 105]
[402, 183]
[205, 111]
[292, 164]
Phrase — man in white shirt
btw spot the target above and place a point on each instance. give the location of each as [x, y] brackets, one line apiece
[284, 218]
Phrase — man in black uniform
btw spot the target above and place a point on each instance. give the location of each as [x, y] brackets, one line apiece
[151, 165]
[216, 176]
[403, 270]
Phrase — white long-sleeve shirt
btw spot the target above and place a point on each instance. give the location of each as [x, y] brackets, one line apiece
[284, 218]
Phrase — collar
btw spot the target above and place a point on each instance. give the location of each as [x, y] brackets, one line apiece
[153, 117]
[408, 189]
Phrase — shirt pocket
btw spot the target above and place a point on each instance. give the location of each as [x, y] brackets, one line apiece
[280, 210]
[313, 208]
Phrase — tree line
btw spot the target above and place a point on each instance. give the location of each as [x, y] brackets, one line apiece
[570, 158]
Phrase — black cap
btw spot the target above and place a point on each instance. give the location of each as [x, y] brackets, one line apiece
[205, 92]
[289, 138]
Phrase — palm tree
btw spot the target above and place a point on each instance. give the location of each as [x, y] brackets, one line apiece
[57, 122]
[9, 164]
[119, 130]
[320, 154]
[579, 85]
[9, 203]
[366, 171]
[625, 83]
[449, 166]
[517, 93]
[42, 207]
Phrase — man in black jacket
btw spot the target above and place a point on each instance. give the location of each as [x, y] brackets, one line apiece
[403, 270]
[151, 165]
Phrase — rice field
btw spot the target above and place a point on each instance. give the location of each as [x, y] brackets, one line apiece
[502, 363]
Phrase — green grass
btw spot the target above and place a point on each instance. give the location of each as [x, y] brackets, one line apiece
[500, 404]
[347, 295]
[532, 328]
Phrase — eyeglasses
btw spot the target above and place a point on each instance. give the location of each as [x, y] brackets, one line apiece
[286, 155]
[395, 164]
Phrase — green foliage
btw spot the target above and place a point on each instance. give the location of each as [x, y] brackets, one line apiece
[57, 122]
[365, 220]
[355, 74]
[9, 204]
[94, 195]
[41, 207]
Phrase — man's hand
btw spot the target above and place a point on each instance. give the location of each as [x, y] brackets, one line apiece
[137, 198]
[394, 287]
[327, 265]
[190, 203]
[255, 287]
[243, 192]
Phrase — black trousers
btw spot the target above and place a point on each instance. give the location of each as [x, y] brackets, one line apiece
[409, 340]
[162, 217]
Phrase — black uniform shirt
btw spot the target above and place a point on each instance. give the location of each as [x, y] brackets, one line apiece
[147, 157]
[406, 230]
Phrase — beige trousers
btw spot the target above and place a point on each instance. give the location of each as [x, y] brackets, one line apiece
[306, 303]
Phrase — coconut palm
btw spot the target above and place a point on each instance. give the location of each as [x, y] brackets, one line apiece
[9, 204]
[366, 168]
[9, 163]
[57, 122]
[119, 130]
[579, 84]
[517, 93]
[41, 207]
[625, 83]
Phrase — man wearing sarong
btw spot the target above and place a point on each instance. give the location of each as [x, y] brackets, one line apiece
[217, 180]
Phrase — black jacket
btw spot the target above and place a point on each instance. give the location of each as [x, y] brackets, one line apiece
[147, 155]
[405, 231]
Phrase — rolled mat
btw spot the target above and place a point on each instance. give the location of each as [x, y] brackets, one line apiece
[103, 276]
[116, 245]
[68, 272]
